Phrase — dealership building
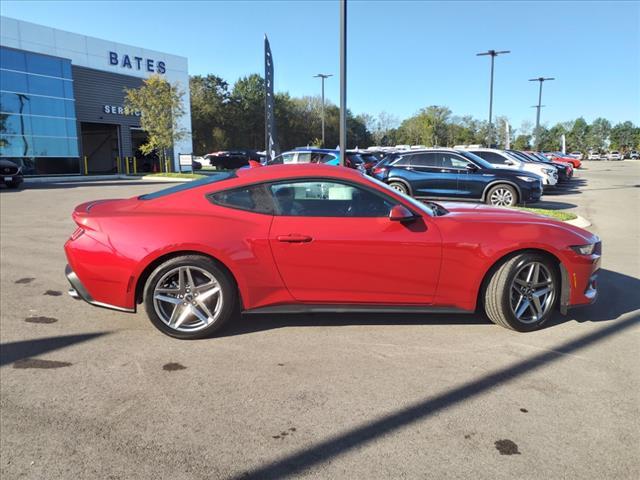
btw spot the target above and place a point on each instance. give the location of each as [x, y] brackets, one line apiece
[62, 101]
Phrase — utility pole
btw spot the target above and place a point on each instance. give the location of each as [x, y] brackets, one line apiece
[493, 54]
[343, 81]
[322, 77]
[539, 106]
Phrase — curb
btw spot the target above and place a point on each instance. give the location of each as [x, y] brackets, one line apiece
[579, 222]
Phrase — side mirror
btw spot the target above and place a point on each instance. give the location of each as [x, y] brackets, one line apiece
[471, 167]
[400, 213]
[509, 162]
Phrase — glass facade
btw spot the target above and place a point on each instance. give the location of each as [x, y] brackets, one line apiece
[38, 127]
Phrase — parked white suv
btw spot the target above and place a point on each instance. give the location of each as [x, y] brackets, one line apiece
[502, 159]
[614, 155]
[593, 156]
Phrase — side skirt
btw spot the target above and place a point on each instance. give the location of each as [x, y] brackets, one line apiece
[346, 308]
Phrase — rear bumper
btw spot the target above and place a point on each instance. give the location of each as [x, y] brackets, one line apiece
[79, 292]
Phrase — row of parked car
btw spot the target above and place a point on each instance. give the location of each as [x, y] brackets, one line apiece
[497, 177]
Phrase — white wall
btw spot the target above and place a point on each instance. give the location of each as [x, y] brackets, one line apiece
[94, 53]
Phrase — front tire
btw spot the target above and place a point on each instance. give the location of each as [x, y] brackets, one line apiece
[522, 292]
[502, 196]
[189, 297]
[400, 187]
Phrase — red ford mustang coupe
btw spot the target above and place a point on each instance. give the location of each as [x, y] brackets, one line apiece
[296, 238]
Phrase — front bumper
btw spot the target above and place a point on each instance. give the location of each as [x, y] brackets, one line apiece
[79, 292]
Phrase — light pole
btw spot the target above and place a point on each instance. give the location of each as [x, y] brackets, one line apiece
[493, 54]
[322, 77]
[539, 106]
[343, 81]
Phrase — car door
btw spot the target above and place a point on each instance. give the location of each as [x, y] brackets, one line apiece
[471, 178]
[427, 177]
[333, 242]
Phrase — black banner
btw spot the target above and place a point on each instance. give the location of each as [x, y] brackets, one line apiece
[271, 143]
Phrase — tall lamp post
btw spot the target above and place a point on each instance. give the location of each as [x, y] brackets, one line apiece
[322, 77]
[493, 54]
[343, 81]
[539, 106]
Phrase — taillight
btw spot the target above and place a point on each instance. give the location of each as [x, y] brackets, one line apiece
[378, 170]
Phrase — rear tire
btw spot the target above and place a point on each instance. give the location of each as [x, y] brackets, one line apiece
[190, 297]
[522, 292]
[400, 187]
[502, 195]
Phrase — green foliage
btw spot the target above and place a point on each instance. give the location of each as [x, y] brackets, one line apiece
[227, 117]
[160, 103]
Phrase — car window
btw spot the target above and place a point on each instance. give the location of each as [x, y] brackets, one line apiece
[288, 157]
[490, 157]
[327, 199]
[424, 160]
[253, 198]
[327, 157]
[304, 157]
[403, 161]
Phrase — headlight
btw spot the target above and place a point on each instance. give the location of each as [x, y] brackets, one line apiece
[527, 179]
[584, 249]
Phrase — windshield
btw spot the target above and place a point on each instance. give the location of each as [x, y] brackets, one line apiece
[187, 186]
[476, 159]
[432, 209]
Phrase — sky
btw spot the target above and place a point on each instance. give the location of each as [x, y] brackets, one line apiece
[401, 55]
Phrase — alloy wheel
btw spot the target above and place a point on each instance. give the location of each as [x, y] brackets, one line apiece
[188, 298]
[532, 292]
[502, 197]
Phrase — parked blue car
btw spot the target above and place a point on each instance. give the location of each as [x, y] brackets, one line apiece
[457, 175]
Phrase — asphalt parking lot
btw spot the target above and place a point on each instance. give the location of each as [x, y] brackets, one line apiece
[93, 393]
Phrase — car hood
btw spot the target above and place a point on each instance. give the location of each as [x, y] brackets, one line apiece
[488, 214]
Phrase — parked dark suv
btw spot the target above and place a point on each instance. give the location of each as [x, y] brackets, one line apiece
[457, 175]
[10, 174]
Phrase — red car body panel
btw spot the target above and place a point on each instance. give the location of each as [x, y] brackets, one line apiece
[438, 261]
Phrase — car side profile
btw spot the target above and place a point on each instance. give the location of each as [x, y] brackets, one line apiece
[296, 238]
[502, 159]
[456, 175]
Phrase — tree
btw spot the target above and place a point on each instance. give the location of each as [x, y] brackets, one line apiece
[160, 105]
[624, 136]
[210, 99]
[599, 133]
[522, 142]
[247, 107]
[577, 136]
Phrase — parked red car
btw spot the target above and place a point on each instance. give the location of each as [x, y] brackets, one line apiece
[556, 157]
[292, 238]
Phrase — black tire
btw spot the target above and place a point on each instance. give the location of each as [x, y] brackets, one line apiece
[496, 191]
[228, 293]
[498, 292]
[400, 186]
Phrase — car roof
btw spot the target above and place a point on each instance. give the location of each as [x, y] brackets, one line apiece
[427, 149]
[312, 149]
[276, 172]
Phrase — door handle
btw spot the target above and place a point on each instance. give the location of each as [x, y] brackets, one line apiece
[294, 238]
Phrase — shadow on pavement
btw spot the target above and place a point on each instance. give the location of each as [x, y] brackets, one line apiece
[617, 295]
[552, 205]
[14, 351]
[294, 464]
